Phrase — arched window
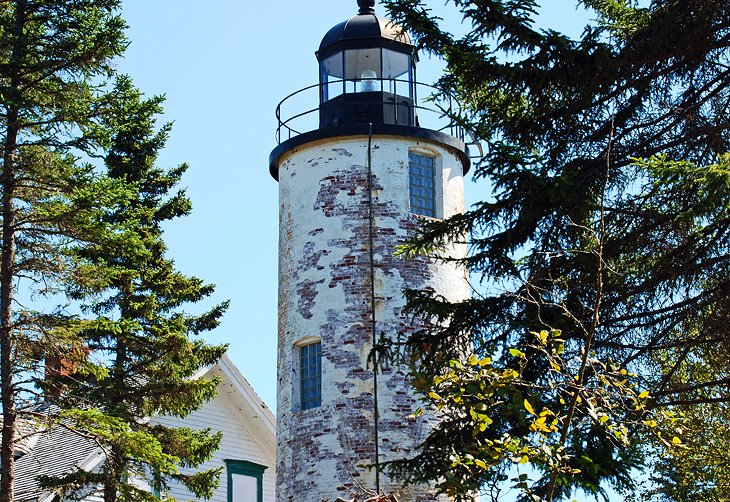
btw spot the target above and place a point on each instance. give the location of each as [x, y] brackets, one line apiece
[310, 367]
[307, 391]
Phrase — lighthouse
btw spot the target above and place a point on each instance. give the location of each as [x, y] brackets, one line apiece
[359, 169]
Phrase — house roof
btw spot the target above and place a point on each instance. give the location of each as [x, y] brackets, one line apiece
[58, 450]
[252, 408]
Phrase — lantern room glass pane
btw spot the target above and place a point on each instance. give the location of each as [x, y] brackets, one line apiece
[331, 73]
[395, 64]
[363, 70]
[332, 66]
[397, 73]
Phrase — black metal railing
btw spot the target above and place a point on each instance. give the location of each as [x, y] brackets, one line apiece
[437, 116]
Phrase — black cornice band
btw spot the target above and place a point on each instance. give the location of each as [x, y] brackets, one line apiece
[446, 140]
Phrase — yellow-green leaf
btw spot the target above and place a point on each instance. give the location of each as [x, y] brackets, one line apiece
[510, 373]
[529, 408]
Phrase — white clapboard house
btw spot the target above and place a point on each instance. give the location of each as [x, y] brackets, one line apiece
[247, 451]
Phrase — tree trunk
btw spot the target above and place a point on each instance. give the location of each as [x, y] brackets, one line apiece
[115, 464]
[113, 474]
[7, 262]
[6, 313]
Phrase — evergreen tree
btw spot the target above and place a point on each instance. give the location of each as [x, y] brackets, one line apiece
[602, 249]
[54, 60]
[142, 340]
[701, 471]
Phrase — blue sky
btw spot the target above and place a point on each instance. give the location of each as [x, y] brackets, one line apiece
[223, 66]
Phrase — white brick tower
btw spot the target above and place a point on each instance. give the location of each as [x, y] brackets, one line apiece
[350, 191]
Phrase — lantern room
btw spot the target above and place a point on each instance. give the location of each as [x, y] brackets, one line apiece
[366, 72]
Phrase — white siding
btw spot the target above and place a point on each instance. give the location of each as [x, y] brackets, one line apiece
[237, 444]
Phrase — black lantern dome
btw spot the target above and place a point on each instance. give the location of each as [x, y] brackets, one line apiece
[363, 26]
[367, 72]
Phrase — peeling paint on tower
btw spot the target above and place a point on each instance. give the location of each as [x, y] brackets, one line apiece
[325, 293]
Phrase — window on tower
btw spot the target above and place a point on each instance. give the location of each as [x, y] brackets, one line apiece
[421, 170]
[310, 371]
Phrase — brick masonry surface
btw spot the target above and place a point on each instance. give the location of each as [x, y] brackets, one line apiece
[325, 293]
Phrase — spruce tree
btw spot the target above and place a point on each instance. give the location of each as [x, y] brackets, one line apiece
[54, 60]
[601, 252]
[142, 340]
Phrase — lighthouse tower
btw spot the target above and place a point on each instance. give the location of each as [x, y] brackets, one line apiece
[350, 191]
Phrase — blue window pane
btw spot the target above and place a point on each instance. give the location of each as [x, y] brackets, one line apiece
[310, 360]
[422, 183]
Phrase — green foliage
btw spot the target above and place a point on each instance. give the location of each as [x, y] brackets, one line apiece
[53, 63]
[700, 471]
[608, 221]
[68, 229]
[621, 17]
[141, 340]
[55, 59]
[499, 418]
